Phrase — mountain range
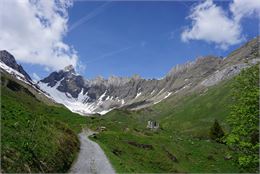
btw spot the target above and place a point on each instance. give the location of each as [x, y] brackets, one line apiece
[101, 95]
[39, 134]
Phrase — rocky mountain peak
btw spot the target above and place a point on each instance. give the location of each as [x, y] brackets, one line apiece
[248, 51]
[136, 77]
[69, 69]
[7, 58]
[10, 61]
[67, 75]
[117, 81]
[205, 59]
[98, 80]
[180, 68]
[199, 62]
[100, 95]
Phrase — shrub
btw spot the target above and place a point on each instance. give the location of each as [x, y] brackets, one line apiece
[244, 119]
[216, 132]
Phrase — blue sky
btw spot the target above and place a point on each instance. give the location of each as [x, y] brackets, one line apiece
[145, 38]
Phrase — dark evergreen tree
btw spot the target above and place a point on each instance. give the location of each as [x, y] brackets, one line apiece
[216, 132]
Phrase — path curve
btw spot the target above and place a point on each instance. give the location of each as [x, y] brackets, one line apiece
[91, 158]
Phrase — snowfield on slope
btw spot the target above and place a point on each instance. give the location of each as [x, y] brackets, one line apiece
[21, 77]
[11, 71]
[91, 158]
[76, 105]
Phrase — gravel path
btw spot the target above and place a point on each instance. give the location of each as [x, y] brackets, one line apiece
[91, 158]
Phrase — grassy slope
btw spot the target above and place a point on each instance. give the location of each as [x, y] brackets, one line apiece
[185, 124]
[196, 114]
[36, 137]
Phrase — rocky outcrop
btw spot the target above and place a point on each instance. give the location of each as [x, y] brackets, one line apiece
[15, 78]
[100, 95]
[10, 61]
[225, 73]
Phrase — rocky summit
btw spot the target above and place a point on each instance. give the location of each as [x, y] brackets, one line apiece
[101, 95]
[9, 60]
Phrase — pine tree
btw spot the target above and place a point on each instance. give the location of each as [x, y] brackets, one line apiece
[216, 132]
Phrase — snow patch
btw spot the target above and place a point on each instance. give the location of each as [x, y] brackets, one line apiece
[22, 78]
[13, 72]
[68, 95]
[169, 93]
[74, 104]
[105, 111]
[184, 87]
[161, 91]
[102, 96]
[138, 94]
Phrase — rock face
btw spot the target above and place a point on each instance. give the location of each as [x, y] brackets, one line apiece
[100, 95]
[70, 82]
[15, 78]
[10, 61]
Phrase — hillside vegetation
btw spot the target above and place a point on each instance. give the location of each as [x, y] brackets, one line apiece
[181, 144]
[35, 137]
[244, 119]
[43, 138]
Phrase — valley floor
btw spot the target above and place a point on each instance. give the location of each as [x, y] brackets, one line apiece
[91, 158]
[180, 145]
[38, 138]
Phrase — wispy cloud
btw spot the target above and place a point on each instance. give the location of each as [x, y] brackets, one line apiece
[109, 54]
[90, 15]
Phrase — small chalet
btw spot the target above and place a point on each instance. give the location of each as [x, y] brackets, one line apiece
[152, 124]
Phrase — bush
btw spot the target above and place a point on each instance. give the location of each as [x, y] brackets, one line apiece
[216, 132]
[244, 119]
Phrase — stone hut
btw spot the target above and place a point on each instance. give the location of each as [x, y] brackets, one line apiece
[151, 124]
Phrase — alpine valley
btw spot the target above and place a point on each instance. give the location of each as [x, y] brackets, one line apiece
[142, 125]
[101, 95]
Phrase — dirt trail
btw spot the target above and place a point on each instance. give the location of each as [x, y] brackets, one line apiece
[91, 158]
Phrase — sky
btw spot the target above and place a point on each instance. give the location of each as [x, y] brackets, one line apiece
[122, 38]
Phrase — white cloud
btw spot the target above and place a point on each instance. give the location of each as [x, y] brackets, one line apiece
[242, 8]
[33, 32]
[212, 24]
[47, 69]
